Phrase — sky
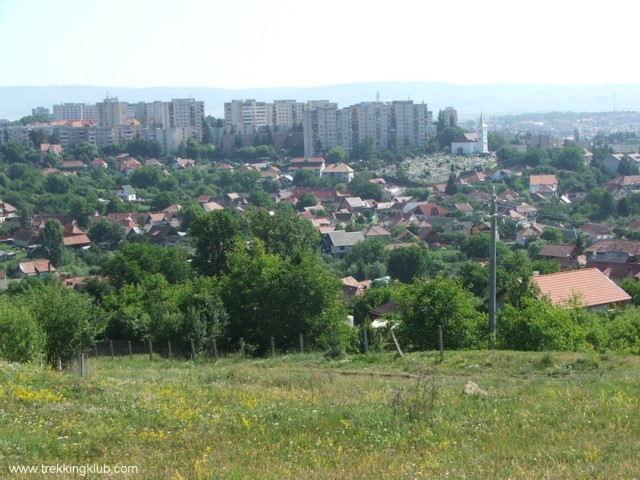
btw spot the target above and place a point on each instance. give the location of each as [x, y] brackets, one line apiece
[287, 43]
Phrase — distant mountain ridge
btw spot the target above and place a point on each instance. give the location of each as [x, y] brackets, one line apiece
[469, 100]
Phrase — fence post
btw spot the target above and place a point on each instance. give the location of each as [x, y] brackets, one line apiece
[170, 350]
[242, 347]
[95, 348]
[58, 364]
[215, 349]
[130, 348]
[395, 340]
[440, 340]
[193, 350]
[80, 358]
[301, 344]
[85, 364]
[273, 346]
[334, 341]
[111, 348]
[366, 338]
[150, 350]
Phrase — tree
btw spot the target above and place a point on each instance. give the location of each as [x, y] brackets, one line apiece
[367, 148]
[409, 263]
[451, 188]
[335, 155]
[52, 242]
[282, 231]
[13, 152]
[306, 199]
[424, 305]
[213, 236]
[68, 318]
[360, 186]
[107, 233]
[552, 235]
[135, 262]
[268, 295]
[367, 260]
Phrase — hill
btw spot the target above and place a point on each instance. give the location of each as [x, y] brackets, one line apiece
[469, 100]
[544, 415]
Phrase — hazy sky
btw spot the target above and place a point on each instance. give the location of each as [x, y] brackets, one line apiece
[298, 43]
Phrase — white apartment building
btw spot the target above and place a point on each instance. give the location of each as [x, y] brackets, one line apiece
[287, 113]
[111, 113]
[246, 113]
[397, 126]
[73, 111]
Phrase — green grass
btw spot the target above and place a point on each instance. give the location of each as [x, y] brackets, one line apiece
[547, 415]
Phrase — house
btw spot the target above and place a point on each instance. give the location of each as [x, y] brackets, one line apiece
[72, 165]
[6, 211]
[340, 171]
[543, 184]
[98, 163]
[153, 162]
[127, 193]
[589, 287]
[339, 242]
[424, 210]
[164, 235]
[534, 230]
[353, 288]
[352, 204]
[464, 208]
[623, 186]
[129, 166]
[182, 163]
[566, 255]
[376, 231]
[612, 161]
[26, 239]
[315, 164]
[36, 268]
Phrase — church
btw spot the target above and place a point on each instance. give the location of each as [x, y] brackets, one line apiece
[472, 142]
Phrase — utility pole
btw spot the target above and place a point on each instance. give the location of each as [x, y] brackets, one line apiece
[492, 266]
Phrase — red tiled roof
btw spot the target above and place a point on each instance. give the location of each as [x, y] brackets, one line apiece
[591, 286]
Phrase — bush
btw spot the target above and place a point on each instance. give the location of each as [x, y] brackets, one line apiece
[538, 326]
[623, 331]
[424, 305]
[69, 319]
[22, 339]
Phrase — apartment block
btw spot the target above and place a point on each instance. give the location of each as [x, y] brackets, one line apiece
[74, 111]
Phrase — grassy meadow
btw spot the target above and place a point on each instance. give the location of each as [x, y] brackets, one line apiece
[545, 415]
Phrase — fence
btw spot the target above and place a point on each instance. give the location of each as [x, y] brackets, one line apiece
[121, 348]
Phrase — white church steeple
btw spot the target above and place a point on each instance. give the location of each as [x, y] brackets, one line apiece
[483, 136]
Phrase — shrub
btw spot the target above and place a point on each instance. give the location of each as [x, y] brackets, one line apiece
[22, 339]
[538, 325]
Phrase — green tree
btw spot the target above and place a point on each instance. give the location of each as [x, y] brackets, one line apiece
[335, 155]
[13, 152]
[423, 305]
[68, 318]
[452, 187]
[306, 199]
[52, 242]
[409, 263]
[267, 295]
[213, 236]
[367, 260]
[552, 235]
[282, 231]
[22, 338]
[360, 186]
[107, 233]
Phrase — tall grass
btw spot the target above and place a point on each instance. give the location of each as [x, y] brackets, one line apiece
[307, 416]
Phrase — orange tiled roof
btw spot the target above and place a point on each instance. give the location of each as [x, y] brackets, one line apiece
[590, 284]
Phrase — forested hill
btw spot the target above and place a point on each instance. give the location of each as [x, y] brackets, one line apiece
[17, 102]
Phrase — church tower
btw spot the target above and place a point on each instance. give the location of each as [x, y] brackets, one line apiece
[483, 136]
